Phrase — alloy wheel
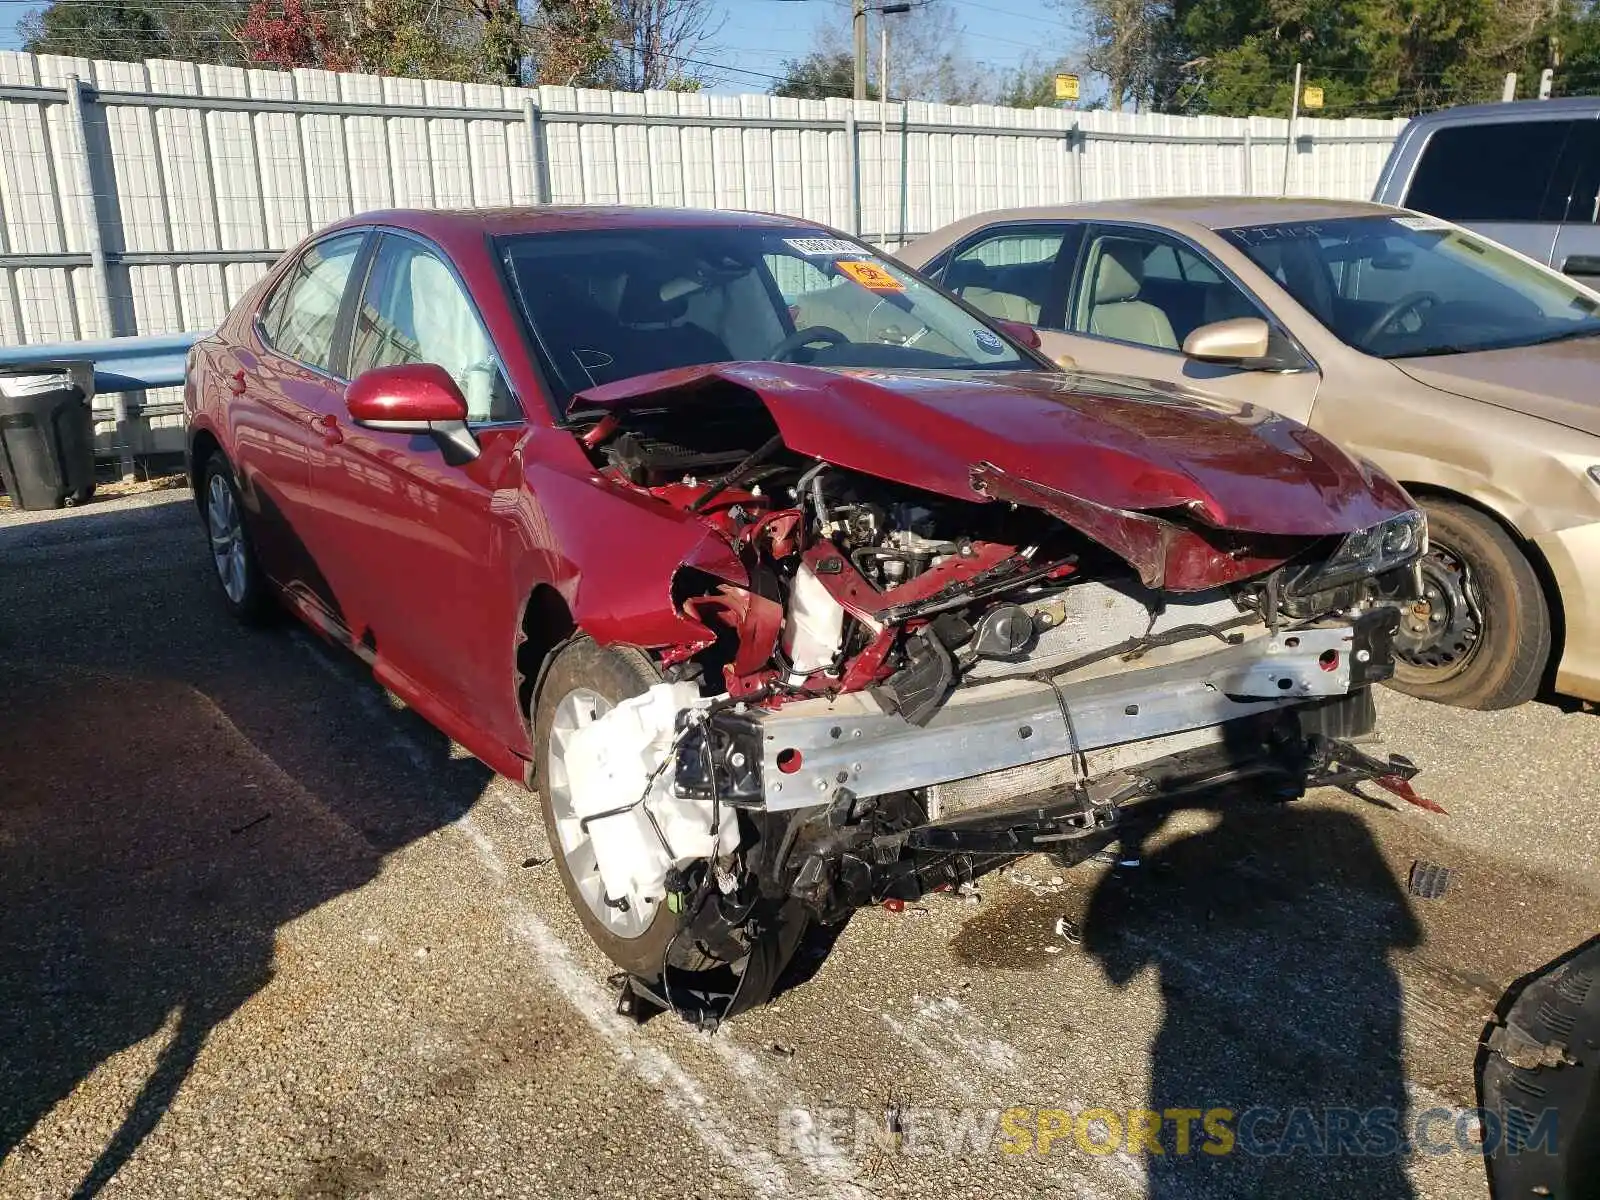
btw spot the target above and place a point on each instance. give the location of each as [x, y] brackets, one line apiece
[623, 916]
[226, 528]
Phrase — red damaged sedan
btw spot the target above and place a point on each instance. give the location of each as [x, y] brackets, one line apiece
[791, 583]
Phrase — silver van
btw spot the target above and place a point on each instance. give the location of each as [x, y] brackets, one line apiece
[1526, 174]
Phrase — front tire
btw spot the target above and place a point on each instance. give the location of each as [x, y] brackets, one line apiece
[245, 590]
[1481, 636]
[583, 683]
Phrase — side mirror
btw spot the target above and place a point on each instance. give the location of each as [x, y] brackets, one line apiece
[1020, 331]
[1232, 341]
[414, 398]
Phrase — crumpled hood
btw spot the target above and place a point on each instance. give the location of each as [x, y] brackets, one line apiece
[1555, 382]
[1111, 441]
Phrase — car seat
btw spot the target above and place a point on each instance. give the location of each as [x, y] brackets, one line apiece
[1116, 311]
[657, 336]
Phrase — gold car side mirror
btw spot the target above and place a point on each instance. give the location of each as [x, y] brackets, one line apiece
[1231, 341]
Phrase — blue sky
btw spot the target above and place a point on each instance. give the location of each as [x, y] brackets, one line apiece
[760, 34]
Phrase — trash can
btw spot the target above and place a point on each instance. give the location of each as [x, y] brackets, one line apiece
[47, 434]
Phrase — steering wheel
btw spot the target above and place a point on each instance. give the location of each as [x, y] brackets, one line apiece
[806, 337]
[1411, 302]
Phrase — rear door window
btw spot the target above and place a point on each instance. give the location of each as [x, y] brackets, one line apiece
[300, 317]
[1502, 171]
[1012, 274]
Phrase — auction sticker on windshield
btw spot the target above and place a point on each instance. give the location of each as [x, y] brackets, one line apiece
[873, 278]
[1421, 223]
[821, 247]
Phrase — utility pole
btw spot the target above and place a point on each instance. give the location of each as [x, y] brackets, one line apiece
[858, 22]
[1288, 138]
[883, 115]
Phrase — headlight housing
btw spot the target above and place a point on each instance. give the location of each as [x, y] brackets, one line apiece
[1370, 551]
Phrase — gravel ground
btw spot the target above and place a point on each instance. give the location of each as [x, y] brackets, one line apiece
[269, 935]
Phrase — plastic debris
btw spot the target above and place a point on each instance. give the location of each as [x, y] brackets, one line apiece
[1116, 860]
[1069, 931]
[1400, 786]
[893, 1126]
[1429, 881]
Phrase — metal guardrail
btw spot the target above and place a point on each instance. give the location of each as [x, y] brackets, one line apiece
[125, 364]
[122, 366]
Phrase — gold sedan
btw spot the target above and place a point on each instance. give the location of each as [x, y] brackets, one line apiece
[1467, 371]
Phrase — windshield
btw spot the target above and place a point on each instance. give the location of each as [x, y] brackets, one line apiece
[611, 304]
[1405, 286]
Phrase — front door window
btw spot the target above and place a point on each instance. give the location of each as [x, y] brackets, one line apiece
[414, 310]
[1141, 287]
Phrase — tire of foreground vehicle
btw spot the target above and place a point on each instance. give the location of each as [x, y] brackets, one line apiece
[245, 590]
[1505, 668]
[581, 673]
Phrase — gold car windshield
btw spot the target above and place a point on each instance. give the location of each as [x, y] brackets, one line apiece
[1408, 286]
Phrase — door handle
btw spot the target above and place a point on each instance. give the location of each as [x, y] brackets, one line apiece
[328, 426]
[236, 383]
[1581, 264]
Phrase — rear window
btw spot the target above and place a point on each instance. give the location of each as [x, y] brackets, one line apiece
[1493, 172]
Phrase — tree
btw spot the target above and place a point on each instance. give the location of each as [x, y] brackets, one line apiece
[659, 41]
[132, 30]
[818, 76]
[115, 30]
[289, 34]
[571, 42]
[1132, 44]
[502, 41]
[1370, 57]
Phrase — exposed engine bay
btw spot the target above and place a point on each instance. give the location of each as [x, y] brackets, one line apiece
[882, 689]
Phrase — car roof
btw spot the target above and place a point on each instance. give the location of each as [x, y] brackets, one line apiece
[552, 218]
[1516, 110]
[1211, 212]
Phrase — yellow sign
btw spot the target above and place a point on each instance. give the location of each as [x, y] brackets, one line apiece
[1066, 87]
[1313, 97]
[873, 278]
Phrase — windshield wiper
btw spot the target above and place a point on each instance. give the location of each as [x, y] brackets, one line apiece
[1565, 335]
[1433, 351]
[1452, 348]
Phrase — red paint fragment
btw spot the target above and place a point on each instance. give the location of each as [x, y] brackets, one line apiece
[1402, 788]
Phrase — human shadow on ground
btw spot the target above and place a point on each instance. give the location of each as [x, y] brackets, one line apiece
[1272, 933]
[173, 790]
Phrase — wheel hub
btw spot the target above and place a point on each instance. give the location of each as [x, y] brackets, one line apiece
[1442, 630]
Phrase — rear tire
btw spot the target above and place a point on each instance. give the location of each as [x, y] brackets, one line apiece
[1498, 657]
[245, 590]
[582, 678]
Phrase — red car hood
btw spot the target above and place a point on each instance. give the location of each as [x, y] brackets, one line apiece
[1113, 442]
